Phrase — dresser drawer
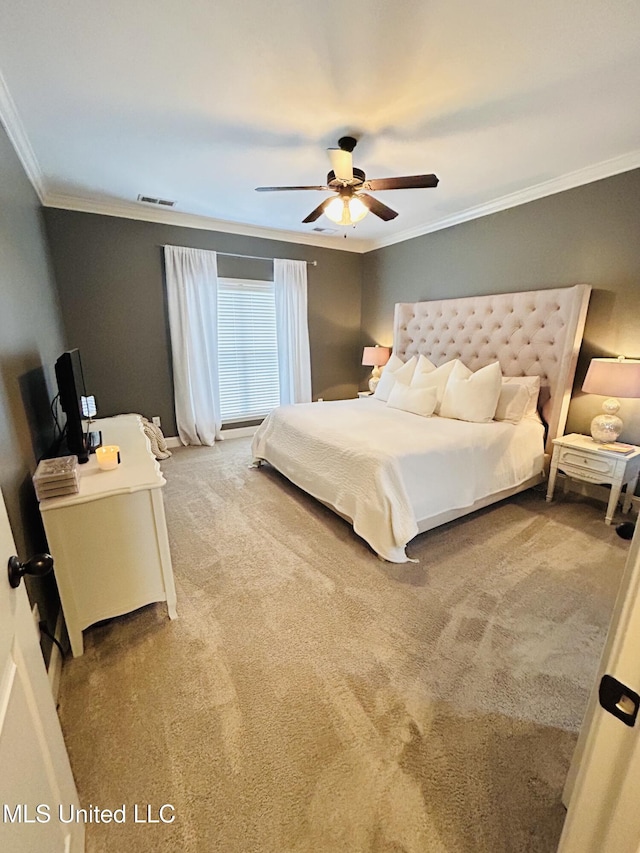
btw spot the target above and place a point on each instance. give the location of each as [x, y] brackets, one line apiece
[585, 462]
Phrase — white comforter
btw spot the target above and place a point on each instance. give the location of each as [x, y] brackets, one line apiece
[387, 469]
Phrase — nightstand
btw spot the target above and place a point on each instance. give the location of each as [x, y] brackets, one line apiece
[578, 457]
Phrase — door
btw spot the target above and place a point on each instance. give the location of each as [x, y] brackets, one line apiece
[604, 780]
[35, 774]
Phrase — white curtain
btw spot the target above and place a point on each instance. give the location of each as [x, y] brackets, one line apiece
[294, 362]
[192, 291]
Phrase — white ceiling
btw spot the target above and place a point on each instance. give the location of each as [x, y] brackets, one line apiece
[201, 101]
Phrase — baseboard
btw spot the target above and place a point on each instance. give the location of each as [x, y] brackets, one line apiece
[237, 432]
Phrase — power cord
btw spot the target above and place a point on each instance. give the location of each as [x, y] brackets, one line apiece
[54, 414]
[59, 432]
[42, 625]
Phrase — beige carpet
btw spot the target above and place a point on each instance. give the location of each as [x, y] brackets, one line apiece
[313, 699]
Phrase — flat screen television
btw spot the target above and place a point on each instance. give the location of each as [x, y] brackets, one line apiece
[70, 379]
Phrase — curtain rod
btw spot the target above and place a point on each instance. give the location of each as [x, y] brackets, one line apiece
[248, 257]
[256, 257]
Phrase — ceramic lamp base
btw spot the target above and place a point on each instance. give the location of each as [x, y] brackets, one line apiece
[375, 378]
[607, 426]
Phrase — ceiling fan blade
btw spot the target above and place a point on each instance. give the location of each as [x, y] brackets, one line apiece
[280, 189]
[341, 163]
[409, 182]
[317, 213]
[377, 207]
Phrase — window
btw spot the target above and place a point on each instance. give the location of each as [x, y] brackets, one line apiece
[247, 349]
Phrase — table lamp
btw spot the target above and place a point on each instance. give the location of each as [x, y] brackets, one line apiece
[375, 357]
[611, 377]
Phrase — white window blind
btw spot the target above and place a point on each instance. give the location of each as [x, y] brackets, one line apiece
[247, 349]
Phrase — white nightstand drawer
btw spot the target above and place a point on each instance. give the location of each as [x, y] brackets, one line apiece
[585, 462]
[585, 474]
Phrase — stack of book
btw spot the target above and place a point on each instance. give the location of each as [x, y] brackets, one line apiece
[618, 447]
[56, 477]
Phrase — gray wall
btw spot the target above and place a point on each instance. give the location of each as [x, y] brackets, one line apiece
[586, 235]
[31, 339]
[111, 282]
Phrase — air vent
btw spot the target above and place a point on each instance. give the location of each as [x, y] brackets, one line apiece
[325, 230]
[163, 202]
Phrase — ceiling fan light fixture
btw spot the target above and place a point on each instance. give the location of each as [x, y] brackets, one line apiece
[357, 208]
[335, 210]
[352, 202]
[345, 210]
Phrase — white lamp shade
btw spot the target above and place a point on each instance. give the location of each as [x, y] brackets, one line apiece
[613, 377]
[334, 210]
[345, 210]
[357, 209]
[375, 356]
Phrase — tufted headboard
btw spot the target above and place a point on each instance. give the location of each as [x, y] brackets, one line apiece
[537, 332]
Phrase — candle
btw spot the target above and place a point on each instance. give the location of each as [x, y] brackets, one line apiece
[108, 456]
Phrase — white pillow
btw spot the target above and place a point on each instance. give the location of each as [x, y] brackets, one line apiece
[472, 396]
[394, 371]
[393, 364]
[436, 378]
[424, 366]
[419, 401]
[518, 398]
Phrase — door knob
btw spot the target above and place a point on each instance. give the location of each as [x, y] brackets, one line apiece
[619, 700]
[37, 567]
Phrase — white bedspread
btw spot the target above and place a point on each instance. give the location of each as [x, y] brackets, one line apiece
[386, 469]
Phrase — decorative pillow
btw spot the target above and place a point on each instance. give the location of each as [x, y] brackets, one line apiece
[472, 396]
[419, 401]
[394, 363]
[518, 398]
[394, 371]
[424, 366]
[436, 378]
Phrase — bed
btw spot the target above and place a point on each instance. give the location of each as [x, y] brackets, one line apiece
[393, 474]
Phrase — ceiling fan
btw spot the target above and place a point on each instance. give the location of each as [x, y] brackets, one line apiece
[352, 204]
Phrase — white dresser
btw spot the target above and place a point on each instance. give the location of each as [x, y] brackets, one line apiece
[109, 541]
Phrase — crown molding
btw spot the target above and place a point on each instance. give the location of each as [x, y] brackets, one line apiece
[12, 122]
[139, 211]
[605, 169]
[136, 210]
